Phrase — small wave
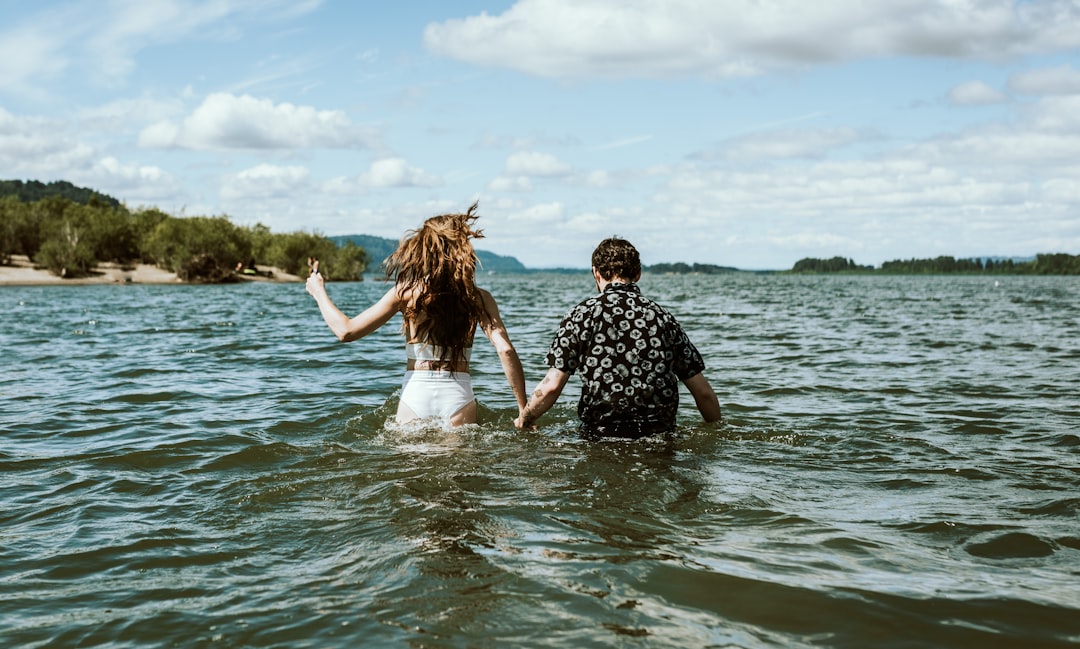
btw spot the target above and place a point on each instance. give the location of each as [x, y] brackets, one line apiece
[262, 454]
[1067, 440]
[947, 528]
[904, 483]
[1066, 507]
[1070, 542]
[1012, 545]
[152, 397]
[969, 473]
[973, 428]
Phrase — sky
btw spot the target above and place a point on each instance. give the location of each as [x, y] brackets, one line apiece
[745, 133]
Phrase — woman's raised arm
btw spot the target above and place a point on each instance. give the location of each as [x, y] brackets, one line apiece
[349, 329]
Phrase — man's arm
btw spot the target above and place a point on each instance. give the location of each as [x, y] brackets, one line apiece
[704, 396]
[545, 396]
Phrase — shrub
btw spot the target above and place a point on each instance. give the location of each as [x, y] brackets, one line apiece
[67, 255]
[198, 249]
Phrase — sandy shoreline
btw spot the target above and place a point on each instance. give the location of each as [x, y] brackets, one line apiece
[21, 272]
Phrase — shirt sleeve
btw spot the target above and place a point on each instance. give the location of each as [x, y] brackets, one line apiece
[562, 355]
[687, 361]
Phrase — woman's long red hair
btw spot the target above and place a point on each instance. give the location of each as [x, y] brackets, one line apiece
[434, 267]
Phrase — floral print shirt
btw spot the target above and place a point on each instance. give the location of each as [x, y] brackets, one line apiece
[631, 355]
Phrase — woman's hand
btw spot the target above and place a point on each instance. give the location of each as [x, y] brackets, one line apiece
[316, 285]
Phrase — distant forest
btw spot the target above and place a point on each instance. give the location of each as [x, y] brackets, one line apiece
[34, 190]
[680, 268]
[71, 230]
[1042, 264]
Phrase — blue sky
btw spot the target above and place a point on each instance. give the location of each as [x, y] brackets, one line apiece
[747, 133]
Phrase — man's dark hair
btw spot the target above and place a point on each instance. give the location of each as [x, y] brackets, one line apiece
[616, 257]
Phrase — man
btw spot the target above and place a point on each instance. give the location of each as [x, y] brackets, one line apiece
[631, 355]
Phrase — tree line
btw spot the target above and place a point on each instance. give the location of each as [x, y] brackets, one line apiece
[1042, 264]
[683, 268]
[71, 232]
[833, 265]
[35, 190]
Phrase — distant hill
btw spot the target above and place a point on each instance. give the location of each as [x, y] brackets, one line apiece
[379, 248]
[35, 190]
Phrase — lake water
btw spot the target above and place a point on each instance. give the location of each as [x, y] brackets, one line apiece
[205, 466]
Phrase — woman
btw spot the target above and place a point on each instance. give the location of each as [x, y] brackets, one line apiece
[434, 272]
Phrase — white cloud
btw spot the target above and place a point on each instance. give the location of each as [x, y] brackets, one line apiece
[816, 241]
[120, 114]
[834, 191]
[785, 144]
[136, 183]
[29, 54]
[624, 142]
[40, 147]
[396, 172]
[226, 121]
[1056, 115]
[101, 40]
[976, 93]
[1062, 190]
[528, 163]
[547, 214]
[133, 174]
[266, 181]
[1062, 80]
[1044, 137]
[510, 184]
[132, 25]
[599, 179]
[339, 185]
[738, 38]
[519, 142]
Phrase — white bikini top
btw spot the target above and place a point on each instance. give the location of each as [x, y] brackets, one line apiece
[427, 352]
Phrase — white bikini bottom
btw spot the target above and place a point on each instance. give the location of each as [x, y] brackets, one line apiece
[436, 393]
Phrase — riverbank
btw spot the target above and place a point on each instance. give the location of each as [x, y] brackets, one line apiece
[21, 272]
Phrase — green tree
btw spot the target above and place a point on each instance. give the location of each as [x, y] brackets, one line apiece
[348, 263]
[67, 253]
[19, 233]
[111, 232]
[834, 265]
[261, 241]
[199, 249]
[67, 245]
[1056, 264]
[144, 222]
[290, 253]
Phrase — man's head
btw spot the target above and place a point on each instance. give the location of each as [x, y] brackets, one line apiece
[617, 258]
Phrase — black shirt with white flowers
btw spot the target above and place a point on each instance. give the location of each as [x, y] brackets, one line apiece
[631, 355]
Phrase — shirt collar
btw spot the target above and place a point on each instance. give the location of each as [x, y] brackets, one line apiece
[622, 286]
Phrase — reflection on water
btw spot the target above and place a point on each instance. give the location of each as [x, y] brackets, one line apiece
[206, 465]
